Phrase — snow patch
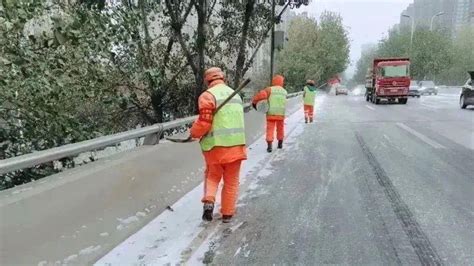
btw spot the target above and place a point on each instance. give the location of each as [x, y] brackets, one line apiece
[89, 250]
[104, 234]
[70, 258]
[140, 214]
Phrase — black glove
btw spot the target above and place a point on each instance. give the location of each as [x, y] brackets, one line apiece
[254, 106]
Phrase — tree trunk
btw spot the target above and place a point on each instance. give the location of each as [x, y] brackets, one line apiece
[239, 65]
[201, 7]
[155, 95]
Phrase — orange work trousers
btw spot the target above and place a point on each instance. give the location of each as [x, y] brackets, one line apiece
[308, 111]
[214, 173]
[280, 129]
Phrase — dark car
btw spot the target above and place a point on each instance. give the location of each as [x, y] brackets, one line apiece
[428, 87]
[467, 93]
[414, 90]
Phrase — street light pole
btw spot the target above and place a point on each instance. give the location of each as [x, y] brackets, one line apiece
[432, 19]
[412, 30]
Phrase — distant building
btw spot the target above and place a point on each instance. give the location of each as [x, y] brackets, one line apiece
[262, 59]
[471, 13]
[457, 13]
[463, 13]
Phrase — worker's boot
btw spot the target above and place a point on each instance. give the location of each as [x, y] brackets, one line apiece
[208, 210]
[280, 144]
[306, 120]
[269, 147]
[226, 218]
[311, 120]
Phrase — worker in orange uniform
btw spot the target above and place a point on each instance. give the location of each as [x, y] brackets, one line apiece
[276, 97]
[222, 139]
[309, 96]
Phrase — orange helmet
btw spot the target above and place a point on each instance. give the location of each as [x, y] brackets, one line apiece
[278, 80]
[212, 74]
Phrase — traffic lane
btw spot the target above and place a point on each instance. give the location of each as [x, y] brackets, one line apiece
[442, 116]
[436, 183]
[443, 164]
[320, 205]
[431, 198]
[94, 207]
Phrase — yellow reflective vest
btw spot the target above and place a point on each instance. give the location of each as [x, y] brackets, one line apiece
[309, 96]
[228, 128]
[277, 101]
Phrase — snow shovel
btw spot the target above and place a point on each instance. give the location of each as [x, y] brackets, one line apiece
[239, 89]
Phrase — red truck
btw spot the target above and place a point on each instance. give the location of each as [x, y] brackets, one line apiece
[389, 78]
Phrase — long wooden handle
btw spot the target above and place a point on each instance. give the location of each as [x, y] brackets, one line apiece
[239, 89]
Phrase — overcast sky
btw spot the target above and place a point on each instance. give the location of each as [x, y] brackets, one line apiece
[366, 20]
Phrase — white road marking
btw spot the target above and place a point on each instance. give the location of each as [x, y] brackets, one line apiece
[370, 107]
[422, 137]
[429, 106]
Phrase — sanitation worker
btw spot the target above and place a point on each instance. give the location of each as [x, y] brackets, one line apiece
[276, 98]
[222, 139]
[309, 96]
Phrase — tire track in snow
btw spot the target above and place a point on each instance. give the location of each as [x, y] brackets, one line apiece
[420, 242]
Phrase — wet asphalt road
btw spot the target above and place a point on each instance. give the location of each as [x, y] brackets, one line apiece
[365, 184]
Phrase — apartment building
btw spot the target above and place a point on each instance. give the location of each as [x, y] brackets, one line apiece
[455, 14]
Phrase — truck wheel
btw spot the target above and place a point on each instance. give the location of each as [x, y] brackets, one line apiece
[376, 99]
[403, 100]
[462, 102]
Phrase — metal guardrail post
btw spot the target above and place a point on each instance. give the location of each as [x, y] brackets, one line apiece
[153, 139]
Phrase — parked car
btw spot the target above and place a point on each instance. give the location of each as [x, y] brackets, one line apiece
[467, 93]
[341, 90]
[414, 90]
[428, 87]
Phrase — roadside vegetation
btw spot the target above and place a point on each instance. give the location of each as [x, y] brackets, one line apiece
[316, 49]
[435, 55]
[76, 70]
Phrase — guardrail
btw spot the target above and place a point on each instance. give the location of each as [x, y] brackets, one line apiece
[151, 133]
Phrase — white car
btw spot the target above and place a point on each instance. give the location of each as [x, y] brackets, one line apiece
[341, 90]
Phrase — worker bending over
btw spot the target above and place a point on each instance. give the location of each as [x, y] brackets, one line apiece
[222, 139]
[276, 97]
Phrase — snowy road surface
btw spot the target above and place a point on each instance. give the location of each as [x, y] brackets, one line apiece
[389, 184]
